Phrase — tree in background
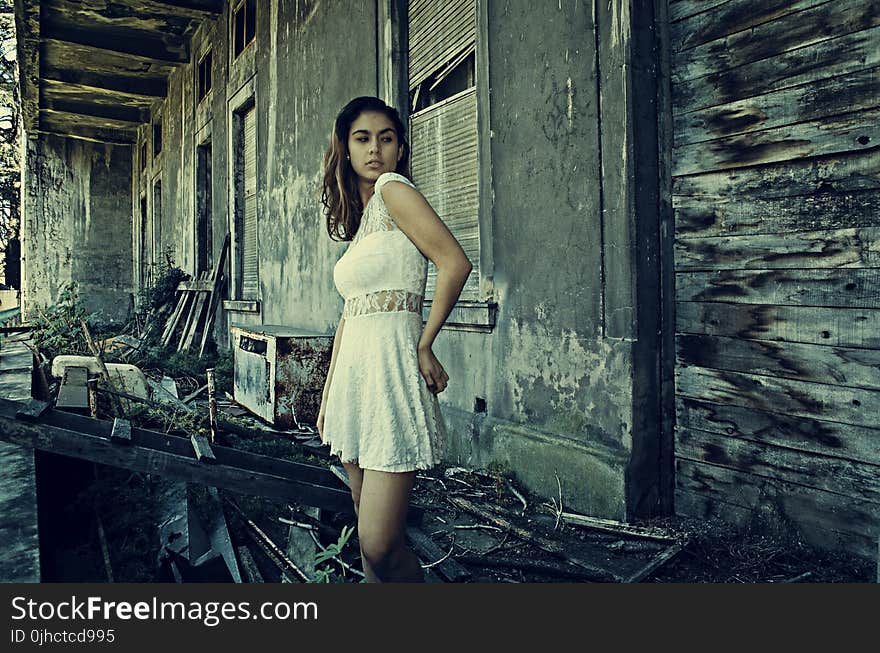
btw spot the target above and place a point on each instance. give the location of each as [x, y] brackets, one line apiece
[10, 152]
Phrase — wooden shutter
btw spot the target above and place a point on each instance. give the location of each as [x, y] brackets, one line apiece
[445, 168]
[250, 279]
[439, 30]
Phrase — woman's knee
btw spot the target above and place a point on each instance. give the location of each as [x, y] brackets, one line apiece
[381, 553]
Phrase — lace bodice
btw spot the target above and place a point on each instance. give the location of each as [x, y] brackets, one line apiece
[382, 271]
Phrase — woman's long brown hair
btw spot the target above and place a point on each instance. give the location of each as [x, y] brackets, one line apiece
[339, 192]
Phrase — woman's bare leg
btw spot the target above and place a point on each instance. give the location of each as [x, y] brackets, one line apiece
[355, 480]
[384, 499]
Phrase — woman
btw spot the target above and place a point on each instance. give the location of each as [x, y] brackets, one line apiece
[379, 410]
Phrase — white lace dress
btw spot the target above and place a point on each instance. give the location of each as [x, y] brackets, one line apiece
[379, 411]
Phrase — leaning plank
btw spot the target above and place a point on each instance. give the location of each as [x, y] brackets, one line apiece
[425, 548]
[824, 519]
[174, 318]
[849, 132]
[793, 68]
[793, 31]
[700, 217]
[727, 18]
[198, 320]
[797, 398]
[837, 248]
[802, 434]
[848, 478]
[618, 528]
[219, 281]
[851, 367]
[847, 288]
[819, 100]
[841, 327]
[599, 574]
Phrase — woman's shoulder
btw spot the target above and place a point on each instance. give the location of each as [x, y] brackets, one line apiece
[385, 177]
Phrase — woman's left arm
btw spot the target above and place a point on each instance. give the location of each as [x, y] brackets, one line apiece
[429, 234]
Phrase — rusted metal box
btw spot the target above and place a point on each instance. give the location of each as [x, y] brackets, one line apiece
[279, 372]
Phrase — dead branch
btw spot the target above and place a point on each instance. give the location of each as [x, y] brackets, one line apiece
[195, 393]
[541, 542]
[106, 374]
[518, 495]
[532, 566]
[618, 528]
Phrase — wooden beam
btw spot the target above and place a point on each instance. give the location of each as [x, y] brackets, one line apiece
[138, 43]
[96, 446]
[140, 86]
[92, 137]
[118, 114]
[201, 9]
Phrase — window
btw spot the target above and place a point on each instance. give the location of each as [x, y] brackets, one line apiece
[246, 259]
[143, 248]
[204, 225]
[144, 155]
[244, 21]
[157, 138]
[443, 122]
[203, 85]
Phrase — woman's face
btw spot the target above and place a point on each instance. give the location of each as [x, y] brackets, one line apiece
[373, 146]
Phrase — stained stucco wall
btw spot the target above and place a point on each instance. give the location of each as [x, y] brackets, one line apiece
[76, 224]
[558, 392]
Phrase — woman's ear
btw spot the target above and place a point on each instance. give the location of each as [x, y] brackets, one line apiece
[400, 152]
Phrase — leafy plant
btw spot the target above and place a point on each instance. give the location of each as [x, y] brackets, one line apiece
[325, 574]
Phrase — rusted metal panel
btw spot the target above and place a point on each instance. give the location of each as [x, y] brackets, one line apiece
[279, 372]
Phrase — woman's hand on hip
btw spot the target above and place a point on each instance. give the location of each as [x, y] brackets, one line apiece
[432, 371]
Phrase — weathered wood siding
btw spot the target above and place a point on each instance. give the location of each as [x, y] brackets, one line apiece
[776, 196]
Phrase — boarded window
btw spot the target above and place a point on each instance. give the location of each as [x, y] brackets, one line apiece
[246, 206]
[443, 125]
[204, 81]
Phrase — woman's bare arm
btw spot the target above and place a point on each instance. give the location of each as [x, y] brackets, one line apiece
[429, 234]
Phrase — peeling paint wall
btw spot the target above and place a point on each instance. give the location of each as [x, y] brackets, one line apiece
[76, 225]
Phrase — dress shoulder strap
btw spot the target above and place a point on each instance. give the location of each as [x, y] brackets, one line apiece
[385, 177]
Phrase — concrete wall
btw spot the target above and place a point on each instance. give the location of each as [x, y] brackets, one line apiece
[76, 225]
[558, 392]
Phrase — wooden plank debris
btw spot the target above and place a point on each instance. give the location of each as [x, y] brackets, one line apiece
[658, 561]
[249, 565]
[121, 431]
[32, 410]
[74, 393]
[160, 453]
[202, 448]
[429, 552]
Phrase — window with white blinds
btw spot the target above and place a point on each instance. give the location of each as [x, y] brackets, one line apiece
[444, 167]
[443, 123]
[248, 242]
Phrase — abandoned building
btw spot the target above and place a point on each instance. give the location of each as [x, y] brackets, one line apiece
[671, 209]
